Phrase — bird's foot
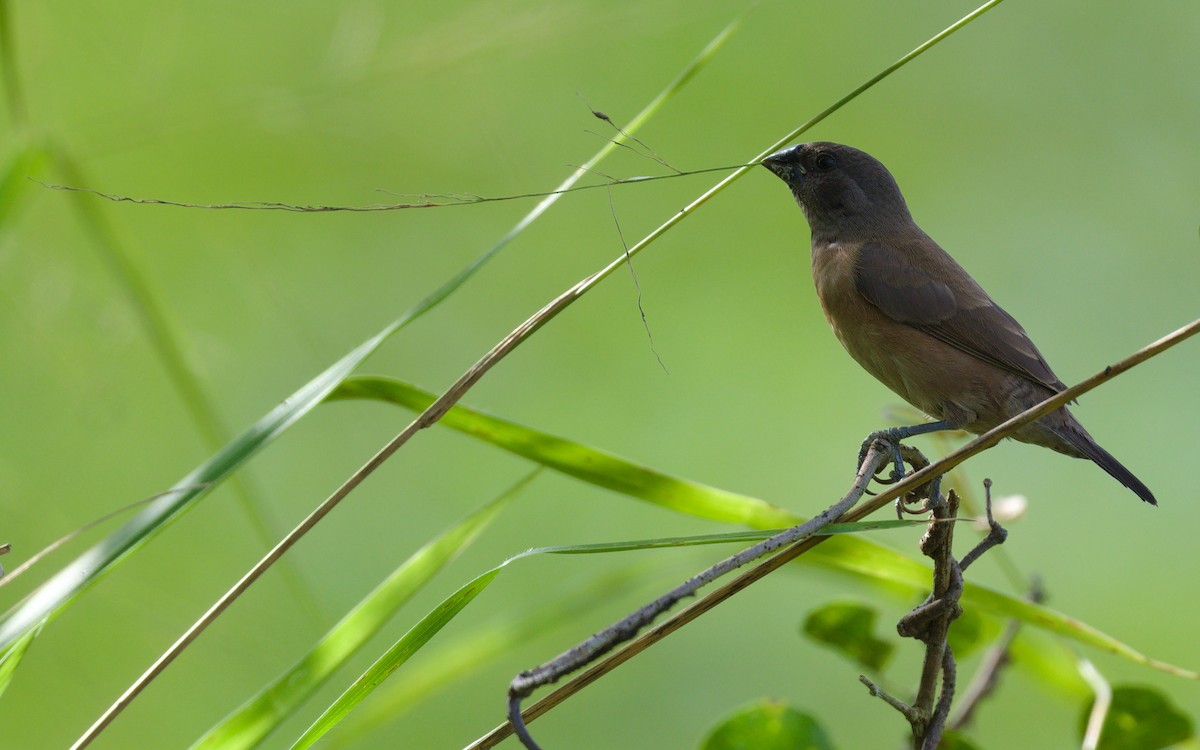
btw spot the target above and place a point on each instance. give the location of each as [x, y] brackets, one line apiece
[890, 441]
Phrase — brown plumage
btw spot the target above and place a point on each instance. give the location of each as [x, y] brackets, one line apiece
[912, 316]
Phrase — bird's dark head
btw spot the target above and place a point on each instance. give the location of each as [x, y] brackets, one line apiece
[844, 192]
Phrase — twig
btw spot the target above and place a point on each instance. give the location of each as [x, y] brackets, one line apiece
[991, 666]
[930, 621]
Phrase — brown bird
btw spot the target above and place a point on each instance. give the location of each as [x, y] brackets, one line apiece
[913, 318]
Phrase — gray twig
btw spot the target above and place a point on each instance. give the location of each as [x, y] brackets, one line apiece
[929, 622]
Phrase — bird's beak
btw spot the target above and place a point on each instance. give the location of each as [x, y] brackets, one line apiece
[784, 163]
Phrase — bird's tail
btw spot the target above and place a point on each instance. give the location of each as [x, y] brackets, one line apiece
[1083, 442]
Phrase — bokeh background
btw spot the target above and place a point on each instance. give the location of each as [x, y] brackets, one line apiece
[1052, 147]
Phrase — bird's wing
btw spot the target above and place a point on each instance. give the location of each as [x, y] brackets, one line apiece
[909, 291]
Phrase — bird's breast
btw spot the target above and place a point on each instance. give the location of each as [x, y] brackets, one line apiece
[903, 358]
[833, 270]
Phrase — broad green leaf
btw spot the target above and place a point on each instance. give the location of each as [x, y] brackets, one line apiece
[859, 557]
[256, 718]
[1140, 718]
[848, 627]
[767, 725]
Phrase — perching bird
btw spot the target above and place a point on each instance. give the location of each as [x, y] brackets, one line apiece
[913, 318]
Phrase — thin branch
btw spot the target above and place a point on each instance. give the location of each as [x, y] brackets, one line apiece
[991, 666]
[877, 691]
[931, 620]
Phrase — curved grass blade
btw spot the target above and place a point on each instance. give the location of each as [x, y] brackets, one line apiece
[89, 567]
[577, 460]
[259, 716]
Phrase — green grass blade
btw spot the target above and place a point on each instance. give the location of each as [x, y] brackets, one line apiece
[12, 657]
[259, 716]
[577, 460]
[734, 537]
[395, 657]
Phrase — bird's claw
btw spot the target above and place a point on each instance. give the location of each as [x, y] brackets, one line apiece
[891, 440]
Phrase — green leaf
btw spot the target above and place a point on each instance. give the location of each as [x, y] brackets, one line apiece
[577, 460]
[12, 657]
[256, 718]
[767, 725]
[848, 627]
[1051, 660]
[395, 657]
[952, 740]
[1140, 718]
[971, 631]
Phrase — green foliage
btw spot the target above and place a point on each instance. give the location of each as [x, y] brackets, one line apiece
[1140, 718]
[952, 740]
[767, 725]
[848, 627]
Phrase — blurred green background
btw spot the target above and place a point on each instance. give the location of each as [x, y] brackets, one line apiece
[1052, 147]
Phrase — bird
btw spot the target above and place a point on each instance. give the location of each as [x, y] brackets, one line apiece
[911, 316]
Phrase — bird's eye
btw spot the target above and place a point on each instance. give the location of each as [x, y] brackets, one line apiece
[825, 162]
